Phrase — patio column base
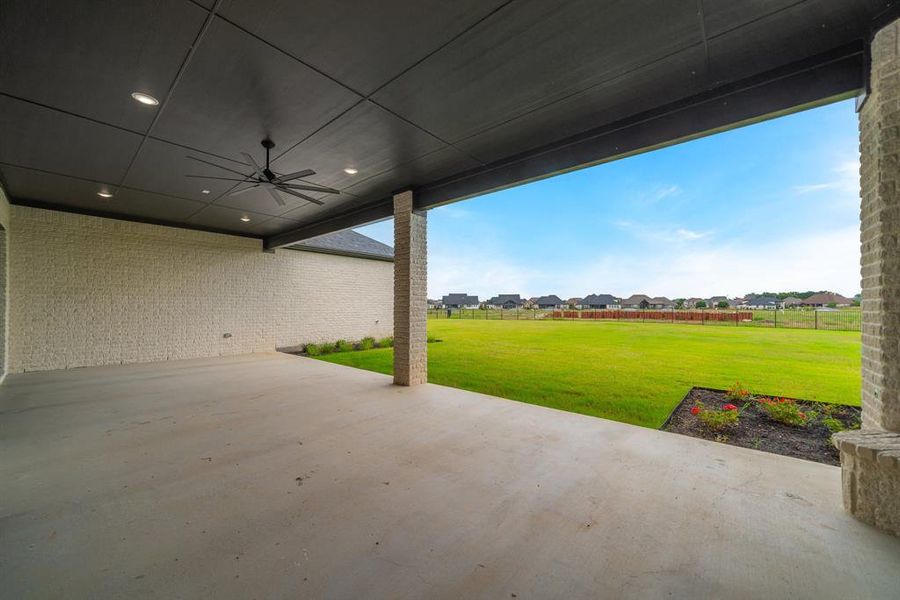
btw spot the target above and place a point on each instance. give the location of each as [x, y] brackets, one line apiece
[410, 289]
[870, 471]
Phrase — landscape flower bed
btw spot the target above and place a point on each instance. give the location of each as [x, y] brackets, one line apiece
[798, 428]
[367, 343]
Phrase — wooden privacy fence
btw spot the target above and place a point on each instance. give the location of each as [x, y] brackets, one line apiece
[656, 315]
[822, 318]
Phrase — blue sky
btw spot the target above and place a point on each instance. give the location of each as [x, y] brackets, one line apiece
[772, 206]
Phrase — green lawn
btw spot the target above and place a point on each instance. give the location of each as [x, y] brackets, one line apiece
[630, 372]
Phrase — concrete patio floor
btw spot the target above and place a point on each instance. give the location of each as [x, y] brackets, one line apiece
[268, 476]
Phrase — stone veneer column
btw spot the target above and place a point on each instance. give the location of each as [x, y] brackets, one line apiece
[870, 458]
[410, 288]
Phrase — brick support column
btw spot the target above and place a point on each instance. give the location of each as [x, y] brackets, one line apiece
[410, 288]
[879, 123]
[870, 458]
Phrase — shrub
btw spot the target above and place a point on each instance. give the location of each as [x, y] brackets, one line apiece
[343, 346]
[716, 420]
[367, 343]
[736, 392]
[313, 350]
[327, 348]
[432, 339]
[387, 342]
[833, 425]
[784, 410]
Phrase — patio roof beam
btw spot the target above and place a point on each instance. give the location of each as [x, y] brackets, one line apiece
[815, 81]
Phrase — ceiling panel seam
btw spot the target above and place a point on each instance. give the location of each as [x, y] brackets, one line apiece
[118, 127]
[701, 16]
[162, 105]
[603, 83]
[441, 47]
[757, 19]
[70, 113]
[362, 97]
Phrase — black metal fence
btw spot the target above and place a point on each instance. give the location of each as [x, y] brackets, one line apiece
[828, 319]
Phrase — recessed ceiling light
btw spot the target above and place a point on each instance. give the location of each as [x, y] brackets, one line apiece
[350, 171]
[144, 98]
[204, 191]
[245, 219]
[104, 194]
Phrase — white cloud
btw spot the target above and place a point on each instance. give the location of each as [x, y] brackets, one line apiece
[844, 178]
[661, 234]
[688, 235]
[664, 192]
[453, 211]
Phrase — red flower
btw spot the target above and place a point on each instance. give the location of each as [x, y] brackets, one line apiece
[801, 415]
[695, 410]
[729, 407]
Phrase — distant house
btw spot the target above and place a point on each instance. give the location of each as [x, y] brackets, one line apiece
[435, 303]
[692, 302]
[506, 301]
[763, 303]
[826, 298]
[661, 302]
[551, 301]
[574, 302]
[636, 301]
[460, 301]
[599, 301]
[792, 301]
[715, 300]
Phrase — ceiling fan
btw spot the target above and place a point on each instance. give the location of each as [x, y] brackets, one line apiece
[265, 178]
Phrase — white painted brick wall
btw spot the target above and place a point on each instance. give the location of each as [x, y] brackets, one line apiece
[87, 291]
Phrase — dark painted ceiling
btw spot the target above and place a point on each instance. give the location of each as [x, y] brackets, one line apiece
[409, 93]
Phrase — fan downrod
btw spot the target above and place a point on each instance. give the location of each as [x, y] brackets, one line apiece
[268, 145]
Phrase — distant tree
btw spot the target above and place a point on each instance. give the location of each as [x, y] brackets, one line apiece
[831, 305]
[722, 304]
[701, 304]
[644, 304]
[679, 303]
[855, 302]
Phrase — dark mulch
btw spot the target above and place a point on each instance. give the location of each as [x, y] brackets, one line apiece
[757, 430]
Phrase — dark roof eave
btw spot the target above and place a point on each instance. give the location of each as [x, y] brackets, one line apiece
[335, 252]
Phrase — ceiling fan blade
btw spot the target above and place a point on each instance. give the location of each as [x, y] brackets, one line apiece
[271, 189]
[237, 192]
[206, 162]
[297, 175]
[217, 178]
[310, 188]
[299, 195]
[259, 172]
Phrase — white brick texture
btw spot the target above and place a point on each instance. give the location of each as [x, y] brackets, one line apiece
[87, 291]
